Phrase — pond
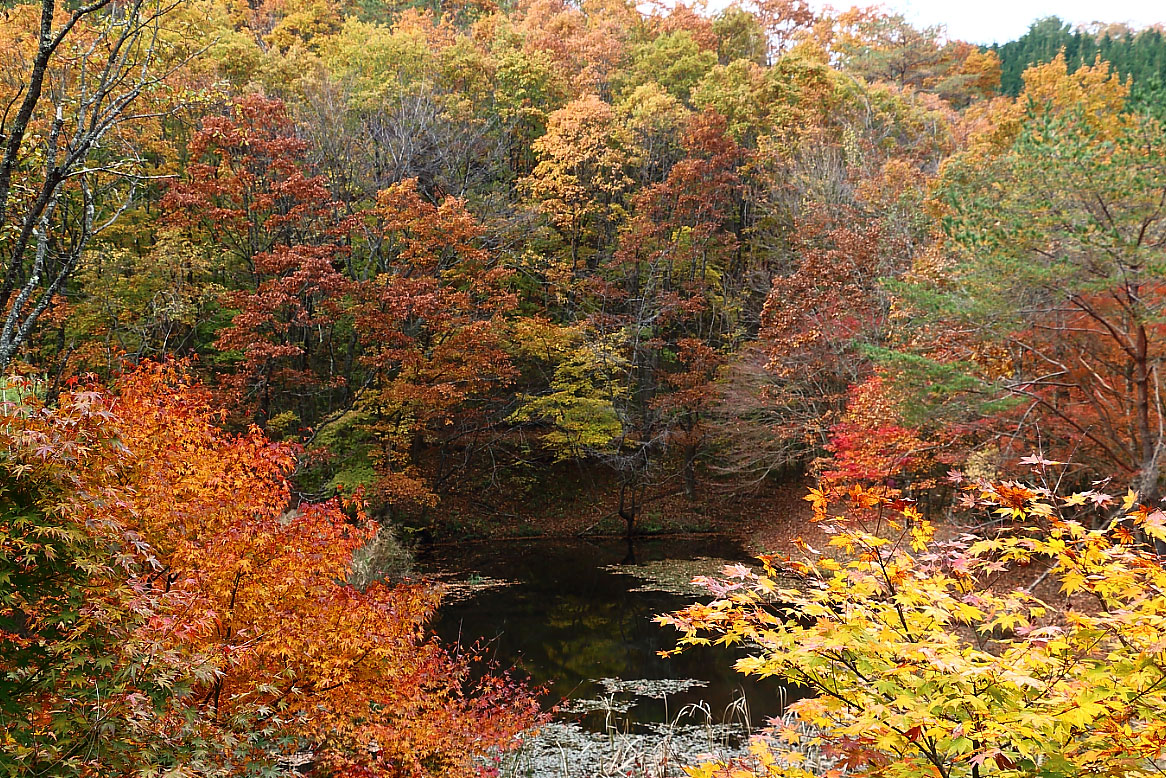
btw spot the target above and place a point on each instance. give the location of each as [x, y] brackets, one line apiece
[577, 618]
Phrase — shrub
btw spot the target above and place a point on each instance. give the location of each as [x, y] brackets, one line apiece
[924, 656]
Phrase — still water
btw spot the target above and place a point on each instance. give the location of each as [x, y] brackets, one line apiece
[576, 617]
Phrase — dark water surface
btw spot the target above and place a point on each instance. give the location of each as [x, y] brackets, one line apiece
[565, 621]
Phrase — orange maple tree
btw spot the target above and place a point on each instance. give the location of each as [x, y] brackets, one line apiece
[223, 621]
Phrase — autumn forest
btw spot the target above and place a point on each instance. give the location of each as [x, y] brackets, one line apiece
[293, 292]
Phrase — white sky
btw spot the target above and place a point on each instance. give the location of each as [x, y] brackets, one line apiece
[986, 21]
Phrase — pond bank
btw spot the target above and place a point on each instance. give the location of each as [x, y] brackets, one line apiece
[768, 518]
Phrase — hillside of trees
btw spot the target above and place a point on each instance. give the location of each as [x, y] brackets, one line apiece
[284, 277]
[1139, 55]
[446, 254]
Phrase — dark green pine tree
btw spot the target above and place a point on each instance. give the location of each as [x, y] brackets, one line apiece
[1137, 55]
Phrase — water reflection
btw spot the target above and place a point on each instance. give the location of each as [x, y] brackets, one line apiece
[567, 622]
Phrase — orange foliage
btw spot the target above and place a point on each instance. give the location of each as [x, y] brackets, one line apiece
[588, 42]
[814, 314]
[224, 573]
[782, 20]
[583, 172]
[680, 17]
[681, 226]
[1094, 90]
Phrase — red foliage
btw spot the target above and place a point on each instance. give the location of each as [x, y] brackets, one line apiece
[871, 444]
[431, 325]
[250, 188]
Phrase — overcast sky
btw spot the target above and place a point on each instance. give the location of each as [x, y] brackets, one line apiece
[985, 21]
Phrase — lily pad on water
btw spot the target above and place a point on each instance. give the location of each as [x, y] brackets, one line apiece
[644, 687]
[457, 589]
[674, 575]
[592, 704]
[617, 688]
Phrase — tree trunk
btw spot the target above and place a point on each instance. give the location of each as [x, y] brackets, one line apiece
[690, 476]
[628, 508]
[1146, 481]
